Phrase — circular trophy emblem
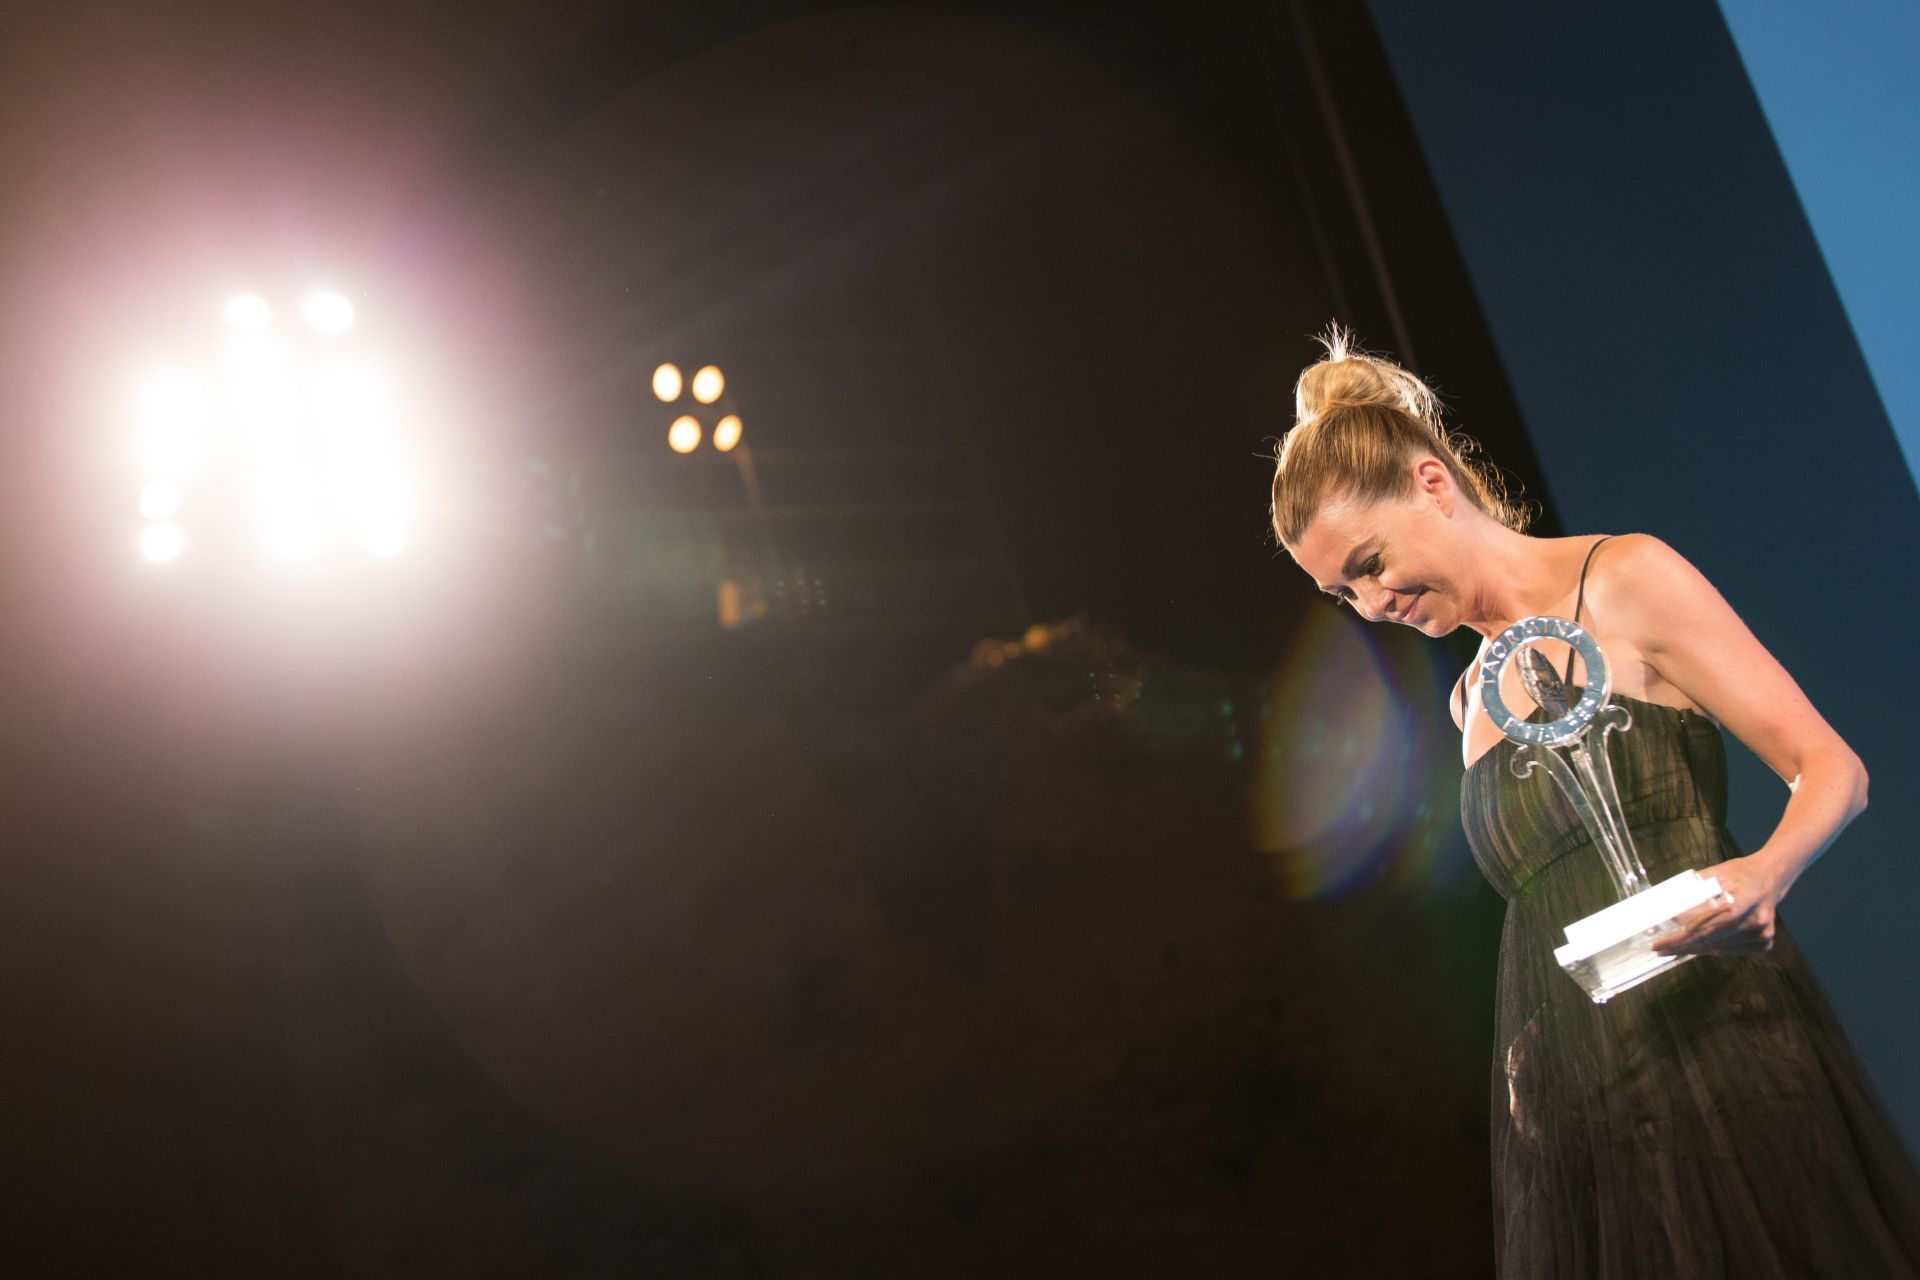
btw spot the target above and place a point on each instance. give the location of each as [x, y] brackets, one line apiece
[1571, 716]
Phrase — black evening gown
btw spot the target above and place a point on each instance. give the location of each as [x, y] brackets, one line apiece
[1712, 1122]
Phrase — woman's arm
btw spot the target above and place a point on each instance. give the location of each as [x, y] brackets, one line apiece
[1693, 638]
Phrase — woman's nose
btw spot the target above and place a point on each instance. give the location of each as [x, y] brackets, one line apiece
[1371, 601]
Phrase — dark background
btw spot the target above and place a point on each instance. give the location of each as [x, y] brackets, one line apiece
[1010, 901]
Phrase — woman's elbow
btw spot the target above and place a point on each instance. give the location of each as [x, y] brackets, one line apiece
[1859, 787]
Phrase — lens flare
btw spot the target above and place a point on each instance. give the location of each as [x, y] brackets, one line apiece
[1342, 766]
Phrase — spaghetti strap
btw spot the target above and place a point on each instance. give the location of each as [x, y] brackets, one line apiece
[1579, 602]
[1580, 597]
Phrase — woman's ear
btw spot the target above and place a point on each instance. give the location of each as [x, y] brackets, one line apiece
[1432, 480]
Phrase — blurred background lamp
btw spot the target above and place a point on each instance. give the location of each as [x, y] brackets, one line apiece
[684, 435]
[666, 382]
[726, 432]
[160, 499]
[329, 312]
[708, 384]
[162, 542]
[248, 312]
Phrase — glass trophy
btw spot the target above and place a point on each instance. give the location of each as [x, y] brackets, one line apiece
[1609, 951]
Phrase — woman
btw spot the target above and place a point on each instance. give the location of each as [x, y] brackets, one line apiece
[1714, 1121]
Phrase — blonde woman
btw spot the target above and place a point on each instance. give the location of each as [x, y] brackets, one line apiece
[1713, 1122]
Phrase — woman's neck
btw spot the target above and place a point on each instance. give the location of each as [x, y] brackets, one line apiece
[1517, 576]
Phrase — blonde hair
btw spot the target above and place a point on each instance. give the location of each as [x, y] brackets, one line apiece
[1359, 419]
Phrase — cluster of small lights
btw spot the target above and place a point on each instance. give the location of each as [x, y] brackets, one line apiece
[706, 386]
[298, 434]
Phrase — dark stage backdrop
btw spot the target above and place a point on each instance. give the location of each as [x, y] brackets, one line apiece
[1685, 367]
[515, 924]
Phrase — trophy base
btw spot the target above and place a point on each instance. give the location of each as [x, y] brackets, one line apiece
[1611, 950]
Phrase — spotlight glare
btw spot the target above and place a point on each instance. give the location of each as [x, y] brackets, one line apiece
[726, 433]
[666, 382]
[173, 423]
[684, 435]
[386, 538]
[248, 312]
[287, 499]
[311, 439]
[708, 384]
[255, 355]
[261, 392]
[292, 538]
[329, 312]
[347, 399]
[160, 499]
[163, 542]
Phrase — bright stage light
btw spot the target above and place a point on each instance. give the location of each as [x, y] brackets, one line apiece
[292, 535]
[708, 384]
[162, 542]
[300, 439]
[328, 312]
[247, 312]
[255, 355]
[349, 405]
[666, 382]
[174, 420]
[160, 499]
[726, 432]
[386, 539]
[684, 434]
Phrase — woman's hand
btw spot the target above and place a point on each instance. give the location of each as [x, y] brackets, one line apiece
[1742, 927]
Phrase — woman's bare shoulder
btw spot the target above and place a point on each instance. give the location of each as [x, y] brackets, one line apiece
[1655, 604]
[1635, 575]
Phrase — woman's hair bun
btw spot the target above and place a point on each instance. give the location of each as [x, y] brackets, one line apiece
[1351, 378]
[1359, 420]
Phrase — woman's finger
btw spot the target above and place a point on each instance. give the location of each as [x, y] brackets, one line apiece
[1697, 923]
[1741, 940]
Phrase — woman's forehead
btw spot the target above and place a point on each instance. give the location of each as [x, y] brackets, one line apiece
[1335, 537]
[1342, 520]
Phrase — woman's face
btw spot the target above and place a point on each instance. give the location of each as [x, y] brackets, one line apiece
[1388, 559]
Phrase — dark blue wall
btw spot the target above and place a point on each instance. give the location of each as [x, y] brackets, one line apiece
[1685, 368]
[1840, 84]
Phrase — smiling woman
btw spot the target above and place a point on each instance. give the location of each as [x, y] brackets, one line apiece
[1366, 428]
[1713, 1122]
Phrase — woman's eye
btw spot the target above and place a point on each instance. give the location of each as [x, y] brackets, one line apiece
[1372, 569]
